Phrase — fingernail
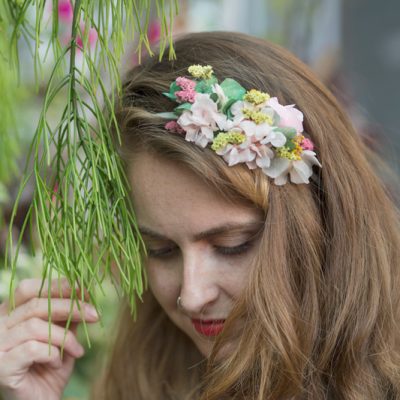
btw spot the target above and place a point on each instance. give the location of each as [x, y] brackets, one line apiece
[91, 311]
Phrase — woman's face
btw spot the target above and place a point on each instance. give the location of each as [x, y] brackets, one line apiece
[199, 245]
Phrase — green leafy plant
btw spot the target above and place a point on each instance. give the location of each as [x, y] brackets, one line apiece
[81, 208]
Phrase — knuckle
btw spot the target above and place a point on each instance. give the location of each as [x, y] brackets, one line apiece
[24, 286]
[33, 326]
[33, 305]
[32, 347]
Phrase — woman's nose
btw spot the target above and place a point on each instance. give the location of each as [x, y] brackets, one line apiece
[199, 288]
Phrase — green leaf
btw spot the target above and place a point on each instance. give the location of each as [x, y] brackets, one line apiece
[205, 85]
[232, 89]
[214, 97]
[227, 106]
[290, 145]
[182, 107]
[172, 89]
[290, 133]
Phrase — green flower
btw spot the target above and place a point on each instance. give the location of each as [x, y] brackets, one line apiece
[225, 138]
[256, 97]
[201, 72]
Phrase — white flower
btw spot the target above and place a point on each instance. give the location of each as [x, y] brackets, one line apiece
[235, 154]
[222, 98]
[258, 131]
[201, 120]
[300, 171]
[290, 116]
[250, 152]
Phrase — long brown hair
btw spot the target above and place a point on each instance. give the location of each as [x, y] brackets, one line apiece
[323, 300]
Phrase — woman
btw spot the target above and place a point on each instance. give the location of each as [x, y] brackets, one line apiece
[272, 248]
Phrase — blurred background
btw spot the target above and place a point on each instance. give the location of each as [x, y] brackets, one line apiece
[352, 45]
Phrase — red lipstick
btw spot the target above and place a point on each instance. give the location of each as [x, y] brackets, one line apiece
[208, 327]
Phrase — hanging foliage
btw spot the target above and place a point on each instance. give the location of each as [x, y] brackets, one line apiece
[81, 206]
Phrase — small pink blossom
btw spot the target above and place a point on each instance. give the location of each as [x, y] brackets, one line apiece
[188, 95]
[185, 83]
[153, 33]
[290, 117]
[307, 144]
[174, 127]
[92, 37]
[65, 10]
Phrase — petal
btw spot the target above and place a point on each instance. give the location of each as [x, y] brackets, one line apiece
[281, 180]
[278, 167]
[309, 157]
[201, 140]
[277, 139]
[249, 127]
[237, 108]
[303, 170]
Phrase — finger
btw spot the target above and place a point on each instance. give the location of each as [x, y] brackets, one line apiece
[60, 312]
[38, 329]
[30, 288]
[18, 360]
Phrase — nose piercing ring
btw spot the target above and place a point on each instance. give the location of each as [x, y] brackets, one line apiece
[178, 302]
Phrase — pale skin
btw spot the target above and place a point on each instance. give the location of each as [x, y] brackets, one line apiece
[200, 245]
[28, 370]
[200, 248]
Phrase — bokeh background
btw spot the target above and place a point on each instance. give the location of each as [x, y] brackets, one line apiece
[352, 45]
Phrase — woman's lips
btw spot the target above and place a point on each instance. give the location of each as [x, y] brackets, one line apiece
[210, 327]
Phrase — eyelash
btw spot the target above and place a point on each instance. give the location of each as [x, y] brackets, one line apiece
[225, 251]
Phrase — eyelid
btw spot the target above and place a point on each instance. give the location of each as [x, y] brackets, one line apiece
[235, 250]
[161, 252]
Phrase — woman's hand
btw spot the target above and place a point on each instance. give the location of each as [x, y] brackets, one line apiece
[29, 367]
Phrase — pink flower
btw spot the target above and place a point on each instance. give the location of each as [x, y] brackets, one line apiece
[185, 83]
[250, 152]
[307, 144]
[174, 127]
[65, 10]
[153, 33]
[201, 120]
[290, 117]
[186, 95]
[92, 37]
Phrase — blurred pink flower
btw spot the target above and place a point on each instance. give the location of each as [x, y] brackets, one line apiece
[173, 126]
[153, 32]
[92, 37]
[65, 10]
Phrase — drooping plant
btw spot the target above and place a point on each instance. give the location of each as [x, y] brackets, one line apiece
[85, 224]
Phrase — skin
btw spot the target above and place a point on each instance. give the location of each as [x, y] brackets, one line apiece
[27, 369]
[199, 245]
[199, 248]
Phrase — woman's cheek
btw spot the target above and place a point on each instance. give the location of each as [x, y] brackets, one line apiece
[164, 283]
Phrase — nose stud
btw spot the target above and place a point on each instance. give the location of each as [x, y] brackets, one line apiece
[179, 302]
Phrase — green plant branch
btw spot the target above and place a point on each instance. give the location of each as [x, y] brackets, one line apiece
[85, 222]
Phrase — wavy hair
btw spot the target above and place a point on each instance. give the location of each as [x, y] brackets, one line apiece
[322, 305]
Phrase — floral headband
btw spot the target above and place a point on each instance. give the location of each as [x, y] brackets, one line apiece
[242, 126]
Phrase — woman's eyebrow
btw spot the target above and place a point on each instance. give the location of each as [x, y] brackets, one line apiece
[230, 228]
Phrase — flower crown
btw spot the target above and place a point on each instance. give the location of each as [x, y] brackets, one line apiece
[242, 126]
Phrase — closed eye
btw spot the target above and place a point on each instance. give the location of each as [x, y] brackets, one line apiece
[234, 250]
[164, 252]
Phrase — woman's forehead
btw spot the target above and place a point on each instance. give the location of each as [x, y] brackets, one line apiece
[168, 196]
